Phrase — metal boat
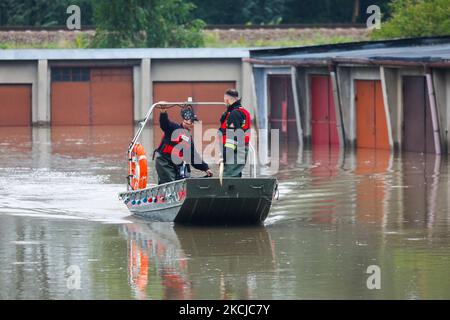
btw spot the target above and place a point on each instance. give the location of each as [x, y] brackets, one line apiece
[202, 201]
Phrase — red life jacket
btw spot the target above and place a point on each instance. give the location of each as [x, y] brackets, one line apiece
[245, 126]
[179, 143]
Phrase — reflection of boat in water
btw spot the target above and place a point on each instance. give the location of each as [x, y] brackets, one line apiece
[210, 201]
[178, 259]
[247, 249]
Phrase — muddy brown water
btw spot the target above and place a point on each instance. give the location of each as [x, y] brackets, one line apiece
[65, 235]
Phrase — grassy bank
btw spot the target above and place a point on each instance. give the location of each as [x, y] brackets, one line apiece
[212, 38]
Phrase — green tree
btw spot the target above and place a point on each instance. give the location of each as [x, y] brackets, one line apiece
[146, 23]
[42, 13]
[416, 18]
[263, 11]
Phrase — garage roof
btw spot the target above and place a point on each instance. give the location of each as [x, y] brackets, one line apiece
[418, 50]
[107, 54]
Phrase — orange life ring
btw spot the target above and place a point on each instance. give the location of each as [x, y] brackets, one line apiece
[138, 168]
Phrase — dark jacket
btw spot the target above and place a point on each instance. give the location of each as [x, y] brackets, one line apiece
[168, 127]
[236, 117]
[234, 122]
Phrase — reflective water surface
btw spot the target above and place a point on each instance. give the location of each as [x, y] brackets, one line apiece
[337, 214]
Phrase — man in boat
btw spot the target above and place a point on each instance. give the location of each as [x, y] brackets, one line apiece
[235, 134]
[176, 150]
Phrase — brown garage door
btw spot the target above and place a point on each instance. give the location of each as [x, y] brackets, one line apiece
[15, 105]
[112, 96]
[417, 125]
[199, 91]
[371, 125]
[92, 96]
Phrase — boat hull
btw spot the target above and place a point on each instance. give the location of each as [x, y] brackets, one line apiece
[200, 201]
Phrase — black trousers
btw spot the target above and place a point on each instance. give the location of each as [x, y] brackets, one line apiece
[168, 171]
[234, 168]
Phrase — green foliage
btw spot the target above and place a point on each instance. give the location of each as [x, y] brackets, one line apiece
[82, 41]
[252, 12]
[240, 11]
[416, 18]
[212, 40]
[263, 12]
[144, 23]
[41, 13]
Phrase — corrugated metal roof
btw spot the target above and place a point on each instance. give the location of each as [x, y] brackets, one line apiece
[108, 54]
[419, 49]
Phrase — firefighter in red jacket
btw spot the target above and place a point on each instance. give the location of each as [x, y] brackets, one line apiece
[172, 162]
[235, 133]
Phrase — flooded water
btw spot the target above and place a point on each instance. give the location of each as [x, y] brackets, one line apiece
[65, 235]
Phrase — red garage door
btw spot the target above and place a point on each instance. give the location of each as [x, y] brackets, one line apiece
[92, 96]
[15, 105]
[323, 118]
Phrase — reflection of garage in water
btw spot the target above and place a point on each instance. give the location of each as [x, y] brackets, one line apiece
[98, 142]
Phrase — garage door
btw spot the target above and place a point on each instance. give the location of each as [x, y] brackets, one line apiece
[418, 128]
[15, 105]
[282, 107]
[92, 96]
[112, 96]
[371, 125]
[323, 113]
[199, 91]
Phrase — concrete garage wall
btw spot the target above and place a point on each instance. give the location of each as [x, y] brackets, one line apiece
[346, 97]
[303, 103]
[22, 73]
[197, 70]
[141, 84]
[440, 87]
[389, 78]
[447, 81]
